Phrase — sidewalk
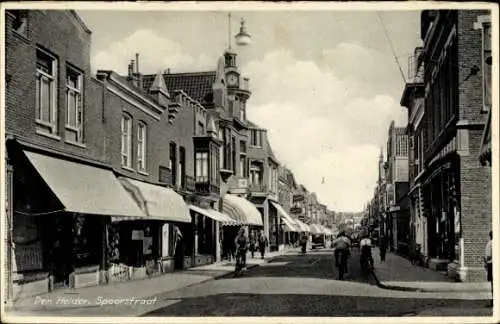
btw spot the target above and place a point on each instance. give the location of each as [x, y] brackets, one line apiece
[397, 273]
[95, 301]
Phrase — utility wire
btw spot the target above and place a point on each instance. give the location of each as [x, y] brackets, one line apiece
[392, 47]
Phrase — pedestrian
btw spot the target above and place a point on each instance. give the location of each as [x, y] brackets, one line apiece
[488, 264]
[263, 242]
[383, 247]
[253, 241]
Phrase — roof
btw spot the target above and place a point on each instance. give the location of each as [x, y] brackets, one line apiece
[251, 124]
[197, 85]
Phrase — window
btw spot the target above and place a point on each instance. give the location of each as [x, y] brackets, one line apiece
[402, 146]
[126, 140]
[182, 167]
[20, 22]
[46, 78]
[242, 111]
[201, 167]
[256, 138]
[74, 114]
[173, 162]
[141, 146]
[487, 61]
[243, 163]
[233, 153]
[201, 128]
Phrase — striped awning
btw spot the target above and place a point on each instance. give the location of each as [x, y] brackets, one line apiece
[241, 210]
[315, 229]
[214, 214]
[290, 224]
[303, 226]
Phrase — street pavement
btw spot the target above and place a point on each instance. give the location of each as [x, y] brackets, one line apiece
[294, 285]
[285, 284]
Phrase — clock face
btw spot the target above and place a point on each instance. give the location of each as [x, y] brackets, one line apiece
[232, 79]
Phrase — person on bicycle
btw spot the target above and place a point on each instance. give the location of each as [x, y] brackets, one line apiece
[342, 243]
[242, 243]
[366, 249]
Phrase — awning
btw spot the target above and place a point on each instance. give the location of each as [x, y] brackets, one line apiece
[215, 215]
[158, 202]
[241, 210]
[303, 226]
[315, 229]
[290, 224]
[84, 189]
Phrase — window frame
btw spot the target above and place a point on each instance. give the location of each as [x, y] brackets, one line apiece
[126, 133]
[201, 172]
[142, 144]
[77, 128]
[487, 99]
[51, 125]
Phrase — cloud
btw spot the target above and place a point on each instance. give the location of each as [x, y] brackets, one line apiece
[155, 53]
[319, 127]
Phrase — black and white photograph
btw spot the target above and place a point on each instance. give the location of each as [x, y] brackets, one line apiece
[250, 161]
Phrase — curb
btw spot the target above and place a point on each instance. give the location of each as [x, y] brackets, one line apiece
[380, 284]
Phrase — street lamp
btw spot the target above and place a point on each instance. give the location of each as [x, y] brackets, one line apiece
[243, 38]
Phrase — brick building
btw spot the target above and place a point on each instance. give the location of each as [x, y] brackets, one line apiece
[396, 176]
[456, 188]
[413, 99]
[54, 140]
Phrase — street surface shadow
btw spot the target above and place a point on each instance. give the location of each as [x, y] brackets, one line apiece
[315, 265]
[314, 305]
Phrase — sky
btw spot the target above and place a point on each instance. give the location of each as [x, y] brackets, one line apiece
[325, 84]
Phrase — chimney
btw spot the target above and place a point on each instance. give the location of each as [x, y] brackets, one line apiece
[131, 70]
[137, 75]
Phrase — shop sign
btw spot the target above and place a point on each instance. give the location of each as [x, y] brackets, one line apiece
[147, 245]
[137, 235]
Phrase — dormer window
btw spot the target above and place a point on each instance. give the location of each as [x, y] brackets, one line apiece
[256, 139]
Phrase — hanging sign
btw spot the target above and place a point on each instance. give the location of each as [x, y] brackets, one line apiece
[137, 235]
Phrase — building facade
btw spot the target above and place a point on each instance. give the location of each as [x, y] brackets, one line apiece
[457, 189]
[413, 100]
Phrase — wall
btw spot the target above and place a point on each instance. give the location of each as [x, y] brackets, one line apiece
[72, 45]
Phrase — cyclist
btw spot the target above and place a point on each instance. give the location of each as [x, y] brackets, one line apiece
[242, 243]
[342, 243]
[366, 250]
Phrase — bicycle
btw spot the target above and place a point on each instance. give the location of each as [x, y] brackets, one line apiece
[342, 264]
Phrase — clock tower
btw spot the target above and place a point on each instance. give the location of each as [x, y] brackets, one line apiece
[231, 70]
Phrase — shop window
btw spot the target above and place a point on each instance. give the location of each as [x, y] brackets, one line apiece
[46, 92]
[74, 105]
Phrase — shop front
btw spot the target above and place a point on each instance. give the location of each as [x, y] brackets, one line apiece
[288, 227]
[155, 244]
[443, 222]
[208, 223]
[245, 214]
[60, 208]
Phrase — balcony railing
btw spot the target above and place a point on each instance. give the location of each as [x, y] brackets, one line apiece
[257, 187]
[189, 183]
[206, 188]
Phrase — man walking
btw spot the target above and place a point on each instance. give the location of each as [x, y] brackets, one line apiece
[263, 242]
[488, 264]
[253, 240]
